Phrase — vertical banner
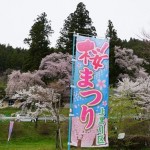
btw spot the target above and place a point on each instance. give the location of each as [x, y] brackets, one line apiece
[89, 126]
[10, 129]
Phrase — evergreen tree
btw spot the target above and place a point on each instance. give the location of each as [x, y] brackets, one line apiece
[11, 58]
[38, 41]
[78, 22]
[114, 41]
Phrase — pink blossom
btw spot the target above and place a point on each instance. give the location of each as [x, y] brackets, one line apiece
[101, 84]
[79, 133]
[104, 103]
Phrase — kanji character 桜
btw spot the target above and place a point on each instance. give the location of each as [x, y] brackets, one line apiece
[84, 47]
[102, 50]
[99, 56]
[97, 61]
[85, 75]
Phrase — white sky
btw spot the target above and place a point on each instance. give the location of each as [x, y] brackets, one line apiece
[129, 17]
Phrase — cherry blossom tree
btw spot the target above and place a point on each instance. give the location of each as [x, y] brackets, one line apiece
[138, 90]
[57, 66]
[37, 88]
[134, 81]
[38, 99]
[131, 65]
[19, 81]
[54, 71]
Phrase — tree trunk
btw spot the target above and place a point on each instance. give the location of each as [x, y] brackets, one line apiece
[79, 143]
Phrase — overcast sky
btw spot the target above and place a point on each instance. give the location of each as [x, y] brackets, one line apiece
[129, 17]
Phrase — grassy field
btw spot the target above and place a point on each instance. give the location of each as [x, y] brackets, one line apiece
[26, 136]
[28, 146]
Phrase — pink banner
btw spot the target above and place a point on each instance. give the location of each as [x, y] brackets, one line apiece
[10, 129]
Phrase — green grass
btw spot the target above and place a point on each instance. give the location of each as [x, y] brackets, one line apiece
[45, 145]
[26, 136]
[8, 111]
[41, 145]
[64, 111]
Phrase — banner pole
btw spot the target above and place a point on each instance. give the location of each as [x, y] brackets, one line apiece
[71, 93]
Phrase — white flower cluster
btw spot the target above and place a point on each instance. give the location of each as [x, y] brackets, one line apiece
[38, 99]
[139, 90]
[18, 81]
[130, 64]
